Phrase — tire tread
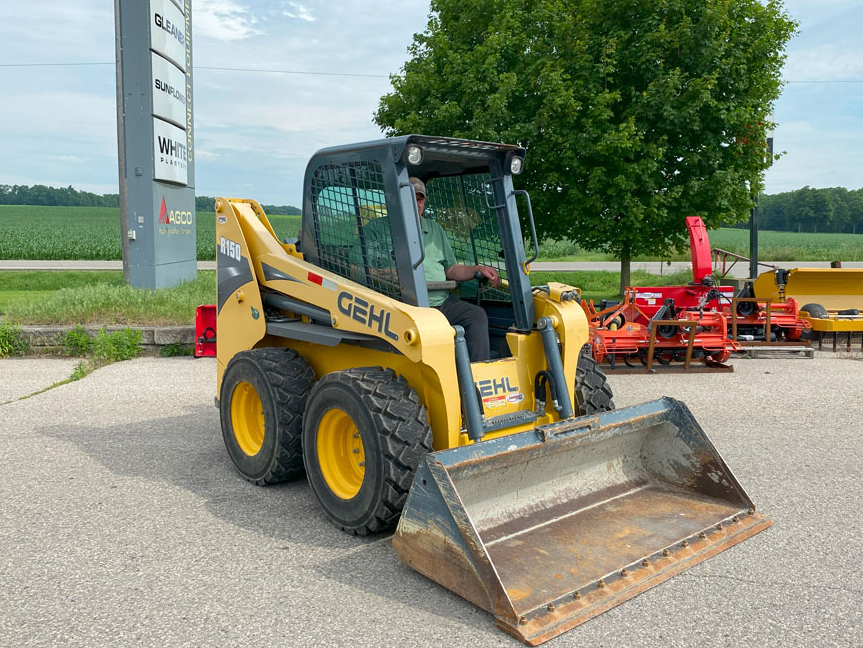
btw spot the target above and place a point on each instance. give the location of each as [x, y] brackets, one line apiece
[405, 436]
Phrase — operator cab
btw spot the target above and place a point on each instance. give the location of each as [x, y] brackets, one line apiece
[360, 220]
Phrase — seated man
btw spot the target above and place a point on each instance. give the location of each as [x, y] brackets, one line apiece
[440, 265]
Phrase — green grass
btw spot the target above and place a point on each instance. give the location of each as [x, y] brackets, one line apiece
[597, 285]
[90, 297]
[772, 246]
[93, 233]
[12, 341]
[790, 246]
[104, 299]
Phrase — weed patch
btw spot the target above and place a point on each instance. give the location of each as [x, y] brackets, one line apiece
[12, 341]
[114, 347]
[175, 349]
[77, 342]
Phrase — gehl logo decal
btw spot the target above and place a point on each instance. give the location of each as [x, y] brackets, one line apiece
[361, 311]
[494, 387]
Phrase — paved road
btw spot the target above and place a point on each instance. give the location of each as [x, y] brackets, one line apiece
[122, 523]
[739, 270]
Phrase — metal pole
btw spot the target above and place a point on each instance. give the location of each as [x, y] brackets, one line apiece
[121, 145]
[753, 241]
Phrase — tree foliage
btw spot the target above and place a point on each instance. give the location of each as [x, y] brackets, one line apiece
[635, 113]
[43, 195]
[813, 210]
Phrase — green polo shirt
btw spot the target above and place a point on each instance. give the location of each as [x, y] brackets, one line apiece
[438, 258]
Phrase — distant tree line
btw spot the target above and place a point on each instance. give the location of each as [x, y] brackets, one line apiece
[207, 203]
[804, 210]
[69, 197]
[812, 210]
[65, 196]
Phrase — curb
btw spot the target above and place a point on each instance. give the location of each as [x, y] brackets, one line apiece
[153, 338]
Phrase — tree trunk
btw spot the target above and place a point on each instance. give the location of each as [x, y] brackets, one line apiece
[624, 272]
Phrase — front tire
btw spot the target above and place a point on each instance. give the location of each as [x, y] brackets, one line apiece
[364, 434]
[261, 405]
[592, 391]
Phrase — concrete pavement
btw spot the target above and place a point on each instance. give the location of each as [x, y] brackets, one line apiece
[123, 523]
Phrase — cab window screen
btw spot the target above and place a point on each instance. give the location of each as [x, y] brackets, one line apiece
[351, 227]
[458, 204]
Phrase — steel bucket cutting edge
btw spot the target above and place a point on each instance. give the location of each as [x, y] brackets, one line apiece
[546, 529]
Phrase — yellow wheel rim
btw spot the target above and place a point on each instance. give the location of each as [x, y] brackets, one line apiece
[247, 418]
[340, 454]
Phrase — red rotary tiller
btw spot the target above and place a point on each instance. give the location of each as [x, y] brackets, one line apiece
[699, 321]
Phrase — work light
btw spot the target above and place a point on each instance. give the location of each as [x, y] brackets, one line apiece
[415, 154]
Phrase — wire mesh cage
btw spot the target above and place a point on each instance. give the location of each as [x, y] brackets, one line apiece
[352, 230]
[354, 238]
[460, 205]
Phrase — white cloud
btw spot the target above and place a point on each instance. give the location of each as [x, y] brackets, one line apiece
[255, 132]
[224, 20]
[72, 159]
[298, 11]
[828, 62]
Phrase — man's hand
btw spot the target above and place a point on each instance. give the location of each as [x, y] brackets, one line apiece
[460, 272]
[488, 273]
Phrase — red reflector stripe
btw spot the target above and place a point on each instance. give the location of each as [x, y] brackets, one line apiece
[316, 279]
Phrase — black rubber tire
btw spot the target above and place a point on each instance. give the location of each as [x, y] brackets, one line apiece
[815, 310]
[592, 391]
[395, 434]
[282, 380]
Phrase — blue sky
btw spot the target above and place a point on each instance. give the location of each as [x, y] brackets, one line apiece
[255, 131]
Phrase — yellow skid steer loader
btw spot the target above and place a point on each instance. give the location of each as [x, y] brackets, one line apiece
[514, 481]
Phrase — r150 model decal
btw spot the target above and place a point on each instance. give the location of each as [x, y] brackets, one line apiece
[361, 311]
[229, 248]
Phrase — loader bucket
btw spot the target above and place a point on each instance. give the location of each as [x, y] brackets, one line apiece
[548, 528]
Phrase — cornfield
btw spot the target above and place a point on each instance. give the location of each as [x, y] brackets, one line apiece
[92, 233]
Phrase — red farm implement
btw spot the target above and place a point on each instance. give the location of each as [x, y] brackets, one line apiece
[667, 325]
[626, 336]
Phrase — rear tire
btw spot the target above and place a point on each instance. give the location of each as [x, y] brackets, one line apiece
[815, 310]
[364, 435]
[592, 391]
[261, 405]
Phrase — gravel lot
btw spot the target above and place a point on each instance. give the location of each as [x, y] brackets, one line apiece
[123, 523]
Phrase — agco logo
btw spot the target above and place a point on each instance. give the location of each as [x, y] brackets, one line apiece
[173, 217]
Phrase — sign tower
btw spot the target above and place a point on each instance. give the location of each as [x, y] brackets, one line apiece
[155, 141]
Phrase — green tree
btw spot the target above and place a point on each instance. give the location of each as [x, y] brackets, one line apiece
[855, 207]
[635, 113]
